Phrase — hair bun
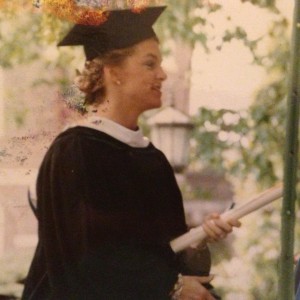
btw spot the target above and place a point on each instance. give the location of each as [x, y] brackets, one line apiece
[91, 78]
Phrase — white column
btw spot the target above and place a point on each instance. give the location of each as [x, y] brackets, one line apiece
[2, 232]
[2, 118]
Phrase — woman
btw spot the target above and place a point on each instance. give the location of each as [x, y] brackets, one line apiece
[108, 202]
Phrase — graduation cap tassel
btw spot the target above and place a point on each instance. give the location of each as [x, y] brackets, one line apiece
[286, 275]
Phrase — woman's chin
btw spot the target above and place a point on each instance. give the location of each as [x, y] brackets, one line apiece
[154, 104]
[157, 102]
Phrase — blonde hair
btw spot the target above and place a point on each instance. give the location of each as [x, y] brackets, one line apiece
[91, 80]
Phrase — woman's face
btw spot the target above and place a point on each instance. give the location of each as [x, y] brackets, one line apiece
[141, 77]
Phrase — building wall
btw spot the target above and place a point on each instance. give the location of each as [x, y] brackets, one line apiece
[18, 224]
[29, 120]
[29, 100]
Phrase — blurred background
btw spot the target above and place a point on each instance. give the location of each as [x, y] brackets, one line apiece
[227, 65]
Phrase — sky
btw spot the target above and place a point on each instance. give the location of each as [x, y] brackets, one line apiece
[227, 79]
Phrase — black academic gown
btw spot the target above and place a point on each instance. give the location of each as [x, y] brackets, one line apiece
[106, 214]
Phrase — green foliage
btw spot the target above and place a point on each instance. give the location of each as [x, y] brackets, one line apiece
[240, 143]
[51, 29]
[14, 35]
[212, 136]
[25, 34]
[268, 4]
[250, 143]
[187, 21]
[253, 146]
[238, 33]
[264, 255]
[252, 272]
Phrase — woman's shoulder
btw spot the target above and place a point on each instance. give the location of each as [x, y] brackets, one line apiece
[81, 135]
[88, 136]
[76, 143]
[82, 140]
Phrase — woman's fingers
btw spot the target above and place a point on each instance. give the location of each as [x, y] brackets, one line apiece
[216, 228]
[204, 279]
[235, 223]
[223, 225]
[193, 289]
[212, 232]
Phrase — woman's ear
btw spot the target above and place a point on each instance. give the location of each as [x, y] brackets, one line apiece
[112, 75]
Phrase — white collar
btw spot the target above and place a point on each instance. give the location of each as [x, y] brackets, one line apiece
[117, 131]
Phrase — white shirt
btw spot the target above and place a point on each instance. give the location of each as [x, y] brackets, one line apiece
[133, 138]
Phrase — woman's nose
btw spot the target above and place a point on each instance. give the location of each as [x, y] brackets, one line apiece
[162, 74]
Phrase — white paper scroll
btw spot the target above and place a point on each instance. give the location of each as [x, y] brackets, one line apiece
[196, 235]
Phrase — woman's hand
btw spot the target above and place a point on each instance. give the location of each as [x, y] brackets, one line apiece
[216, 228]
[192, 288]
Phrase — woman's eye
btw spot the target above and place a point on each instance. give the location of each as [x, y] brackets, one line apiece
[150, 64]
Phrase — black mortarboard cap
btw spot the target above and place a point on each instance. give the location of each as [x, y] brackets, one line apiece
[123, 28]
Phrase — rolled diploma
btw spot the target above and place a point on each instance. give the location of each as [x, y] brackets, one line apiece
[197, 235]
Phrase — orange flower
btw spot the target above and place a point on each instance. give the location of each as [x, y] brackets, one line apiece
[88, 16]
[68, 10]
[138, 5]
[63, 9]
[81, 14]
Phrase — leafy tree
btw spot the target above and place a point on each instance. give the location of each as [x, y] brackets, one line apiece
[254, 136]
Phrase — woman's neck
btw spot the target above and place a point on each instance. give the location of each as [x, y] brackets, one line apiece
[116, 113]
